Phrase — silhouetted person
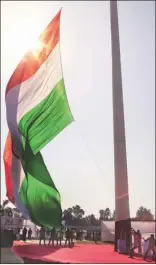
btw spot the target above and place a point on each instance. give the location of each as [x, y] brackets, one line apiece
[67, 237]
[137, 242]
[59, 236]
[151, 246]
[29, 233]
[75, 235]
[24, 234]
[81, 235]
[72, 237]
[42, 236]
[18, 233]
[95, 237]
[52, 237]
[135, 236]
[37, 233]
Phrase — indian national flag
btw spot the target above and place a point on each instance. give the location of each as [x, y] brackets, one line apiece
[37, 110]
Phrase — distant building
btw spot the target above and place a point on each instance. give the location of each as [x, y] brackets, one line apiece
[108, 229]
[88, 228]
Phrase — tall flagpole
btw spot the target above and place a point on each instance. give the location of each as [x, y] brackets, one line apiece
[122, 213]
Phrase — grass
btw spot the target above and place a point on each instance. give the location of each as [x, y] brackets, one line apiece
[92, 242]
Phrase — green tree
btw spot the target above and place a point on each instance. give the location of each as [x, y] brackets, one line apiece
[105, 215]
[3, 206]
[113, 216]
[67, 216]
[101, 212]
[91, 219]
[78, 212]
[144, 214]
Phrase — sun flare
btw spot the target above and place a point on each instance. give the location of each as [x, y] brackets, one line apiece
[24, 37]
[37, 48]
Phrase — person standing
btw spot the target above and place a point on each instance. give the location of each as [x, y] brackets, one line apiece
[52, 237]
[151, 245]
[135, 236]
[137, 242]
[139, 237]
[60, 238]
[24, 234]
[29, 233]
[95, 237]
[67, 237]
[42, 236]
[18, 233]
[37, 233]
[72, 237]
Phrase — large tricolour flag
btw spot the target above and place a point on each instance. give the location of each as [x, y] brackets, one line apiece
[37, 110]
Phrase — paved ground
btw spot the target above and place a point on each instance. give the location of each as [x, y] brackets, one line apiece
[88, 253]
[47, 241]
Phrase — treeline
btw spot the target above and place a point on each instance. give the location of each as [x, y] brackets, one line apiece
[76, 216]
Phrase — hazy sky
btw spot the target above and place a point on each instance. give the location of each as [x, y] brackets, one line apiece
[80, 159]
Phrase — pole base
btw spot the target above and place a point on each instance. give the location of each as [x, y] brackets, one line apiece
[6, 243]
[9, 257]
[123, 231]
[7, 238]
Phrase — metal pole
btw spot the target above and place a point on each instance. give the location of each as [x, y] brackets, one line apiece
[122, 213]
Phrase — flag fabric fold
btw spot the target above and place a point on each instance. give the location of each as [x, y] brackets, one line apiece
[37, 110]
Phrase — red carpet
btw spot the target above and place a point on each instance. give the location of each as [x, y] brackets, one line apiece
[79, 254]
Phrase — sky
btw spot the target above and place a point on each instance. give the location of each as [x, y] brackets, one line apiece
[80, 159]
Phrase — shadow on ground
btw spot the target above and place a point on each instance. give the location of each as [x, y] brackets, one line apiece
[38, 261]
[33, 249]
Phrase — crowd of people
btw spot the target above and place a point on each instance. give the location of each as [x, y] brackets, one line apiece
[57, 236]
[53, 236]
[26, 231]
[138, 244]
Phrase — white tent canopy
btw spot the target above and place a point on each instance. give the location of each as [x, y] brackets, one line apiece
[108, 229]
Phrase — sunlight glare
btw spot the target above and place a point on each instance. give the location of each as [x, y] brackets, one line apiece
[22, 35]
[37, 48]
